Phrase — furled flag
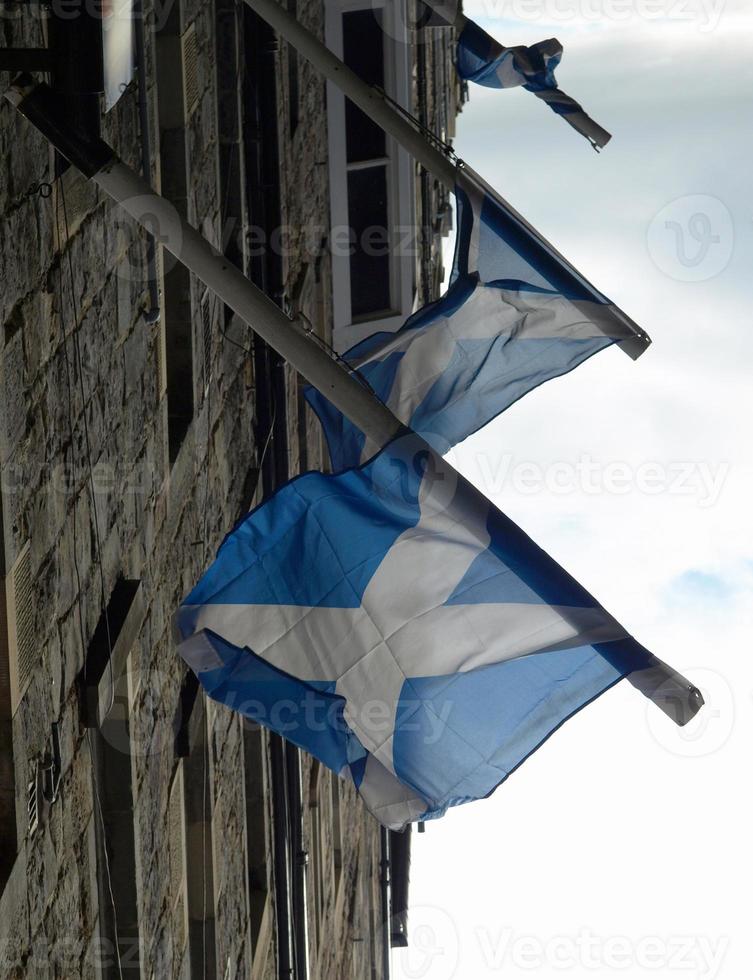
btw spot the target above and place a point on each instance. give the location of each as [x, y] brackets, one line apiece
[516, 314]
[391, 621]
[483, 60]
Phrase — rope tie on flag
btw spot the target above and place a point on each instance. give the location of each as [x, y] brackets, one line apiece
[308, 328]
[483, 60]
[430, 135]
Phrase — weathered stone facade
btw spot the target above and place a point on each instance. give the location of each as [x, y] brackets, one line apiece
[128, 449]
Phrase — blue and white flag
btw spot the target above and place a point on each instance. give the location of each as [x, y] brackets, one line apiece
[516, 314]
[393, 623]
[485, 61]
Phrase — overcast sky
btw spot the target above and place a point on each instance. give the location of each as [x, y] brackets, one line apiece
[622, 847]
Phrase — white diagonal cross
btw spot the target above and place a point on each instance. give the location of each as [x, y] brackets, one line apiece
[489, 313]
[403, 628]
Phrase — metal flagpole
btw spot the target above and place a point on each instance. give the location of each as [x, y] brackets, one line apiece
[368, 98]
[101, 164]
[96, 160]
[374, 103]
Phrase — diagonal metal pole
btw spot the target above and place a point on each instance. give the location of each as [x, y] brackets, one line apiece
[668, 689]
[374, 103]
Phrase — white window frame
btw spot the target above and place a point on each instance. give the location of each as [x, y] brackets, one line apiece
[401, 205]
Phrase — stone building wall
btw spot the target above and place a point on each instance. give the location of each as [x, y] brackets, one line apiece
[84, 381]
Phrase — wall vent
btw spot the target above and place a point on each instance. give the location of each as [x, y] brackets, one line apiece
[24, 618]
[206, 333]
[32, 802]
[190, 56]
[20, 655]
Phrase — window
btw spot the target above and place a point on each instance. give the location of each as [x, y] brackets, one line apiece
[117, 48]
[229, 62]
[367, 166]
[178, 896]
[116, 850]
[337, 844]
[9, 697]
[199, 851]
[317, 885]
[106, 700]
[257, 792]
[370, 178]
[177, 96]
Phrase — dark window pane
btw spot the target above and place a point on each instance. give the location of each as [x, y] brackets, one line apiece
[364, 140]
[363, 51]
[293, 87]
[363, 44]
[370, 260]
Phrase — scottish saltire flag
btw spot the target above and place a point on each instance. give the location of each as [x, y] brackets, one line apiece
[396, 625]
[515, 315]
[485, 61]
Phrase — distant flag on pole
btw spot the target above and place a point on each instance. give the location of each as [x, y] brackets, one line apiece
[516, 315]
[482, 59]
[396, 625]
